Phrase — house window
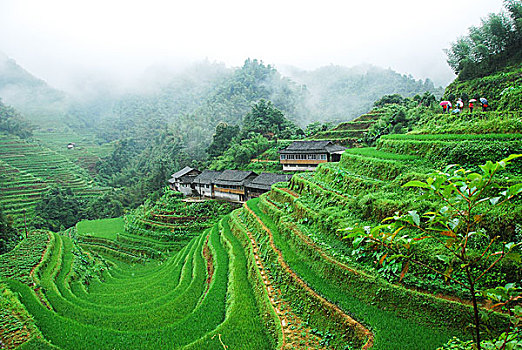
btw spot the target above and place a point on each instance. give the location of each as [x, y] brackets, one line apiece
[323, 156]
[283, 156]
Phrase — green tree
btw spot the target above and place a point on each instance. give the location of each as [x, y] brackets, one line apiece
[8, 234]
[222, 139]
[240, 154]
[389, 100]
[495, 44]
[265, 119]
[468, 197]
[11, 122]
[315, 127]
[59, 208]
[105, 206]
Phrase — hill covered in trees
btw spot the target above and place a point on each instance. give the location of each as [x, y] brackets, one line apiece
[33, 97]
[488, 48]
[337, 94]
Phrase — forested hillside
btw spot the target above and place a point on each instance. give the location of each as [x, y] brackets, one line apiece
[337, 94]
[33, 97]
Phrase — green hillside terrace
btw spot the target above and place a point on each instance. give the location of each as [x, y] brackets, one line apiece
[28, 170]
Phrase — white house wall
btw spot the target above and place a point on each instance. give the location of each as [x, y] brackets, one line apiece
[227, 196]
[204, 192]
[298, 167]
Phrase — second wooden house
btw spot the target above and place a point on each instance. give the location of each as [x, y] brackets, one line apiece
[307, 155]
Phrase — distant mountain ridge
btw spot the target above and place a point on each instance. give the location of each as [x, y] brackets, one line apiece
[327, 94]
[33, 97]
[338, 93]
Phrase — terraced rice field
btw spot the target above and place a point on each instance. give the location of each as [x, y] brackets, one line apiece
[87, 150]
[27, 170]
[198, 297]
[275, 273]
[349, 133]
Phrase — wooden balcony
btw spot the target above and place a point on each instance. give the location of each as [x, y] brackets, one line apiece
[229, 190]
[303, 161]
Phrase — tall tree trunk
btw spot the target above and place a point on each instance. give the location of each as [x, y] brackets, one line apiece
[475, 307]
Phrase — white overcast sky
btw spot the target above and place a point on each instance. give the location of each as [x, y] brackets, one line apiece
[56, 39]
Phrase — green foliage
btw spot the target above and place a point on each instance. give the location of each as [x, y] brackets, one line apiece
[57, 209]
[495, 44]
[139, 173]
[508, 340]
[510, 98]
[105, 206]
[316, 127]
[388, 100]
[467, 198]
[222, 139]
[268, 121]
[240, 154]
[8, 235]
[400, 115]
[12, 123]
[501, 88]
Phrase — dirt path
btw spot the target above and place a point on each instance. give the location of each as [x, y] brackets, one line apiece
[296, 335]
[207, 254]
[360, 330]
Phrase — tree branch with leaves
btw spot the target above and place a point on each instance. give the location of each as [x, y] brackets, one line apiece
[467, 197]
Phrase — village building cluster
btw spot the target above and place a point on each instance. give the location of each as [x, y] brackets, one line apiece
[240, 186]
[230, 185]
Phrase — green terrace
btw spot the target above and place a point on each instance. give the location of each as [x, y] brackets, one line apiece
[106, 300]
[348, 134]
[29, 169]
[86, 152]
[464, 149]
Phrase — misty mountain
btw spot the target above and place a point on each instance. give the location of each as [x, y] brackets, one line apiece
[33, 97]
[337, 93]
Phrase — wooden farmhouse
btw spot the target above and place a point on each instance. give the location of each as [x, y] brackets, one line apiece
[263, 183]
[230, 185]
[183, 179]
[204, 183]
[306, 155]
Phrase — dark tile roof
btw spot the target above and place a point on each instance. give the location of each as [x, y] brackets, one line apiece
[335, 148]
[183, 172]
[187, 179]
[266, 180]
[233, 177]
[207, 177]
[311, 147]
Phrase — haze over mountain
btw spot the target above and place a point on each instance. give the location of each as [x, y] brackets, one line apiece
[331, 93]
[29, 94]
[61, 41]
